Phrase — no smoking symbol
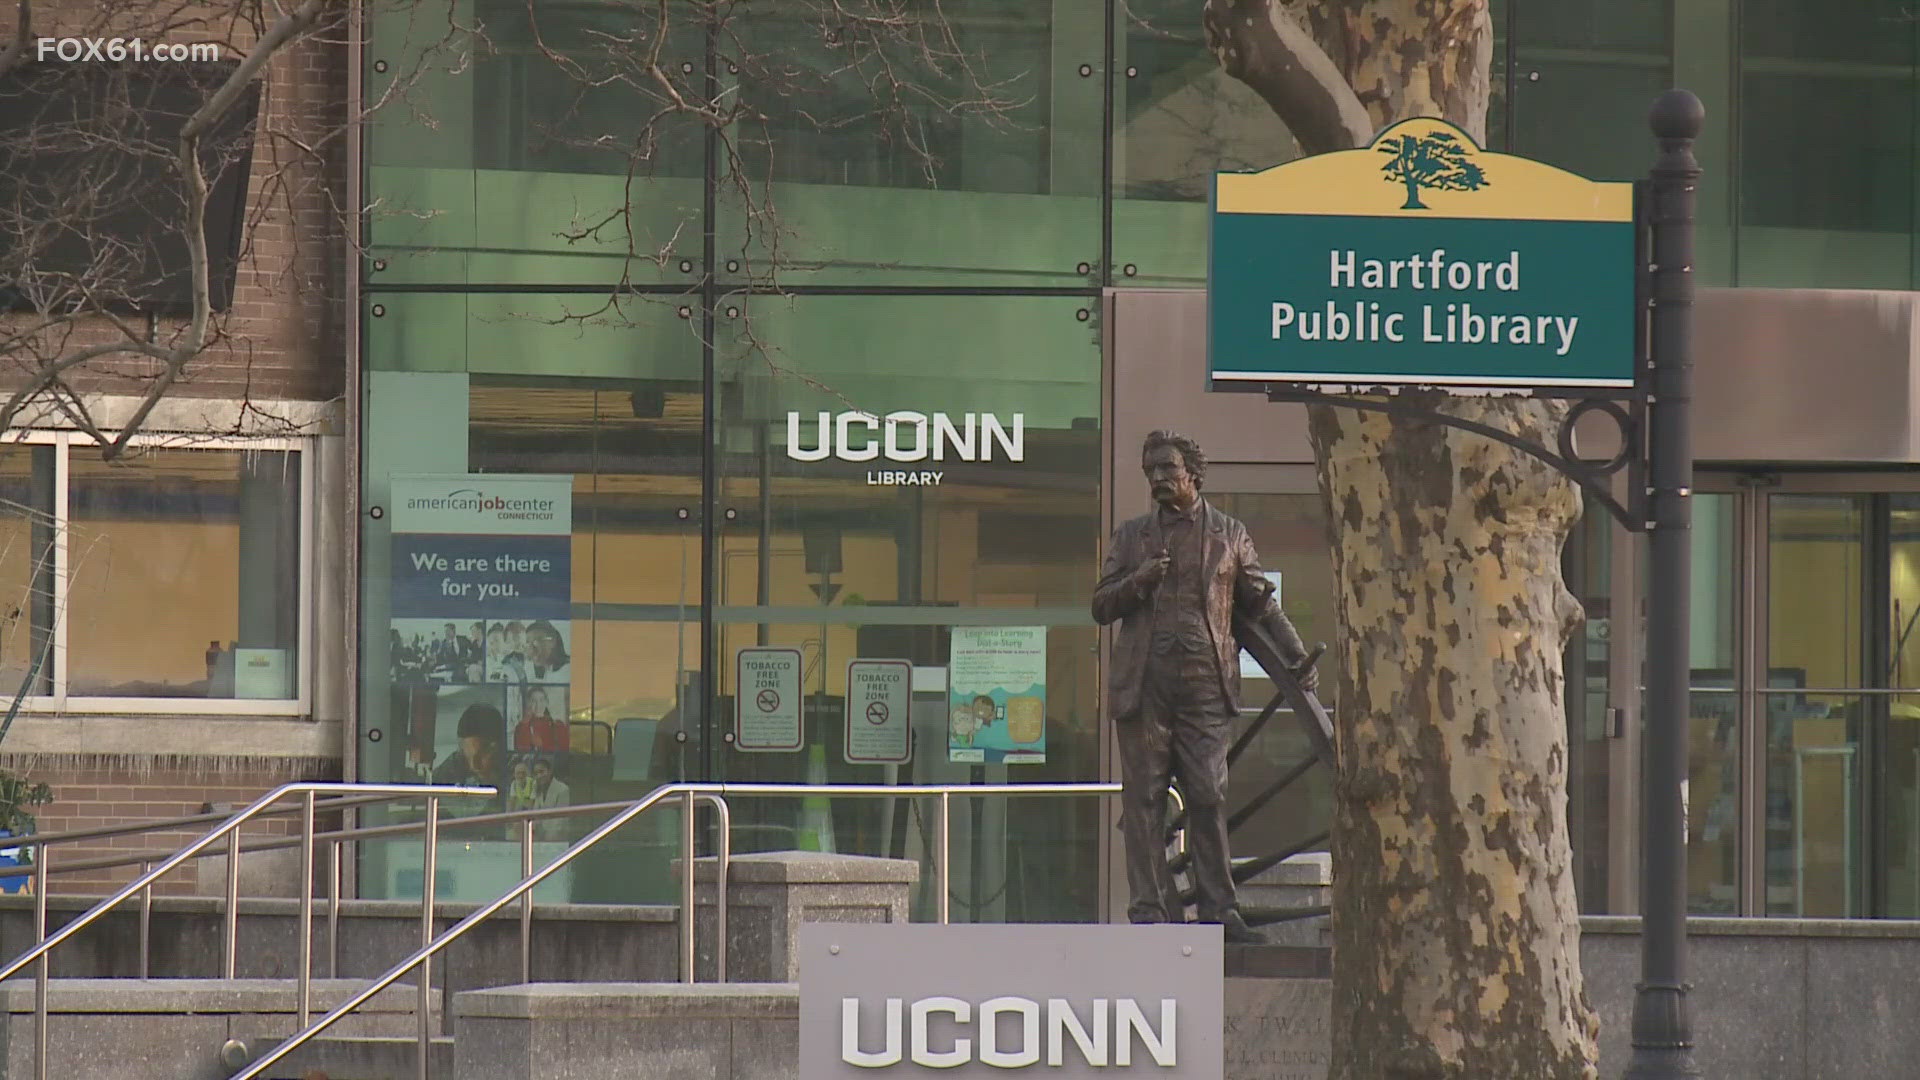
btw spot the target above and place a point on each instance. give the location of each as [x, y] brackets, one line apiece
[767, 700]
[877, 712]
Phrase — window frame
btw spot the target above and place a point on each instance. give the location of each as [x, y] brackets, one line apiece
[58, 700]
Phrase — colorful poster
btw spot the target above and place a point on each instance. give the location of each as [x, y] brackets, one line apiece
[480, 637]
[997, 695]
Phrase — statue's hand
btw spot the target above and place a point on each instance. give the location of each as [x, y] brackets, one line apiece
[1309, 677]
[1147, 576]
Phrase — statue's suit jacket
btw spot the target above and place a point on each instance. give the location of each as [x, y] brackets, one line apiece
[1233, 581]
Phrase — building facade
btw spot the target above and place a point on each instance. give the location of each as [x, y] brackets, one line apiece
[605, 437]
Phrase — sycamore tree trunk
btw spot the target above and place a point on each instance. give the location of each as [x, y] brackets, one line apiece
[1455, 927]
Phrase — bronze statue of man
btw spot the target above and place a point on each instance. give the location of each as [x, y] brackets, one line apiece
[1174, 579]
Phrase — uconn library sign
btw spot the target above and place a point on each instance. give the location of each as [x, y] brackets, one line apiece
[978, 1000]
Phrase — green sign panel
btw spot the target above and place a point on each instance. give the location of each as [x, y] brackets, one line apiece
[1421, 260]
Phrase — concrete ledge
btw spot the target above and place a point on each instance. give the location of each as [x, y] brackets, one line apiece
[1729, 926]
[806, 868]
[614, 1001]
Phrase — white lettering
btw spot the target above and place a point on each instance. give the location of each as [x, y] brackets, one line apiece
[1566, 326]
[850, 1051]
[934, 436]
[1282, 318]
[1507, 277]
[916, 420]
[1029, 1052]
[1130, 1021]
[1061, 1019]
[842, 424]
[962, 1050]
[822, 442]
[1341, 268]
[991, 432]
[945, 436]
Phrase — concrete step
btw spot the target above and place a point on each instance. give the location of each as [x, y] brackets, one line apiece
[366, 1057]
[1278, 962]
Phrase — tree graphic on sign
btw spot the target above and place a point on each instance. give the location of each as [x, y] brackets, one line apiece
[1437, 162]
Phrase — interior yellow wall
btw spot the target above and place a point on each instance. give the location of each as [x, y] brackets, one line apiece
[146, 599]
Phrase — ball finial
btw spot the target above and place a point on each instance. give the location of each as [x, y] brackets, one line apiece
[1677, 114]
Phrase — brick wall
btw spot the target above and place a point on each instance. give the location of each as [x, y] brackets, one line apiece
[121, 790]
[285, 329]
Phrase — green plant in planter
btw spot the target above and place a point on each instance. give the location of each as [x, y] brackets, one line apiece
[16, 794]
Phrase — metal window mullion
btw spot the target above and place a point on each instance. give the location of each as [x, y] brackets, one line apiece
[61, 520]
[1865, 826]
[303, 623]
[1751, 569]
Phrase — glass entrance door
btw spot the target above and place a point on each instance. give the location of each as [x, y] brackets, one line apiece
[1805, 772]
[1289, 530]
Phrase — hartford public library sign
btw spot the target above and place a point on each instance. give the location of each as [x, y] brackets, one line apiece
[1421, 260]
[979, 1000]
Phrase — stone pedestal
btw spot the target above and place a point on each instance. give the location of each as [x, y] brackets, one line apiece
[772, 893]
[1301, 881]
[1278, 1029]
[617, 1031]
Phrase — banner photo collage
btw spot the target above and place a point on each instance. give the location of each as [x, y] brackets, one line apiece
[480, 633]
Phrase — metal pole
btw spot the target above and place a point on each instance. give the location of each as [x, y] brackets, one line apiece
[40, 968]
[725, 829]
[306, 908]
[1662, 1028]
[526, 902]
[232, 934]
[424, 1005]
[942, 861]
[333, 910]
[146, 923]
[686, 887]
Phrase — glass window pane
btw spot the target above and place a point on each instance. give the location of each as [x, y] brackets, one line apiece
[26, 569]
[1814, 804]
[1587, 561]
[1716, 540]
[958, 144]
[1904, 583]
[534, 162]
[977, 507]
[211, 537]
[1823, 203]
[1177, 118]
[1713, 804]
[1814, 617]
[1602, 62]
[1899, 807]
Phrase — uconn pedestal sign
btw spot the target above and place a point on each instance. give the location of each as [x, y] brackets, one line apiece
[1068, 1001]
[1421, 260]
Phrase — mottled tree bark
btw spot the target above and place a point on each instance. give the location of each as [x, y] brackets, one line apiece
[1455, 926]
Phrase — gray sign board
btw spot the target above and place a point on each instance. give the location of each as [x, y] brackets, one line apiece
[978, 1000]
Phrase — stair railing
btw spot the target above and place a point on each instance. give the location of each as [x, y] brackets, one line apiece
[228, 829]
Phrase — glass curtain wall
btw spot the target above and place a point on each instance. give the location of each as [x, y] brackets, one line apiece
[810, 398]
[574, 280]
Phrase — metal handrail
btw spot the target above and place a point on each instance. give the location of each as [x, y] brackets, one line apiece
[714, 794]
[424, 954]
[230, 828]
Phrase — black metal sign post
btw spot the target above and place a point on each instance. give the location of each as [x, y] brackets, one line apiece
[1662, 1028]
[1656, 451]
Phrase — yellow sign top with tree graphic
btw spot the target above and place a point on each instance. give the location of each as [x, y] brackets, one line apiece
[1432, 169]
